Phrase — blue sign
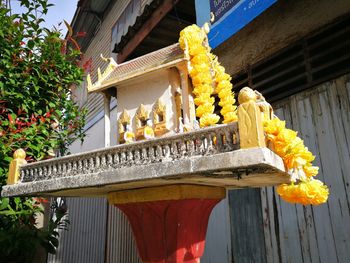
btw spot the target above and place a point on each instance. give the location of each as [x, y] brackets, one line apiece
[230, 16]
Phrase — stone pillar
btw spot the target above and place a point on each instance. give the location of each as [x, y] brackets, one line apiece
[169, 222]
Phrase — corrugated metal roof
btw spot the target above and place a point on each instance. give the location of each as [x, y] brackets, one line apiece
[88, 18]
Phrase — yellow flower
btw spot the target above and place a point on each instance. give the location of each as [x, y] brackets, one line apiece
[197, 49]
[227, 108]
[282, 141]
[222, 77]
[193, 34]
[203, 88]
[199, 59]
[312, 192]
[201, 78]
[310, 170]
[219, 69]
[203, 98]
[286, 135]
[317, 192]
[274, 126]
[230, 117]
[227, 100]
[208, 119]
[225, 93]
[197, 68]
[223, 85]
[204, 108]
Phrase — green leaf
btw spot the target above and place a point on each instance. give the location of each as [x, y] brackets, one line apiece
[4, 202]
[30, 44]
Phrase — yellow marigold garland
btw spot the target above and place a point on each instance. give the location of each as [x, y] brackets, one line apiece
[297, 159]
[207, 76]
[225, 93]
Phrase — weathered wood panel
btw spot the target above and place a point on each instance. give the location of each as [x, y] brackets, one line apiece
[248, 243]
[218, 239]
[294, 233]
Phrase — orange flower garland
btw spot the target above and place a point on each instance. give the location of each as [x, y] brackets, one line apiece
[297, 159]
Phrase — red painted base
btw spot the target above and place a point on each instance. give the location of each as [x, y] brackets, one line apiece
[170, 231]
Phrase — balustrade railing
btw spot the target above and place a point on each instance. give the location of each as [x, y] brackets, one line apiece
[208, 141]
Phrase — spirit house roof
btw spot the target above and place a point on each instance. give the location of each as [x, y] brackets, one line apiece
[117, 73]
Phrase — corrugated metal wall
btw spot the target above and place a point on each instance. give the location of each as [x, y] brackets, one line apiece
[294, 233]
[85, 239]
[121, 246]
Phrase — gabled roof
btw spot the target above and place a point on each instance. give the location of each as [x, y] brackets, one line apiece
[116, 74]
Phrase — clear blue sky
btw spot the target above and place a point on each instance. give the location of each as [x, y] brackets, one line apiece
[62, 10]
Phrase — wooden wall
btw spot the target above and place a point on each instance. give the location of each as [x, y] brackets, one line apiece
[294, 233]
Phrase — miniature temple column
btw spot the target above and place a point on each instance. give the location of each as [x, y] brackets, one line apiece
[185, 91]
[107, 119]
[169, 222]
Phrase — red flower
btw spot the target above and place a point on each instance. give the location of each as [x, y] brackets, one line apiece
[10, 119]
[48, 114]
[87, 66]
[40, 200]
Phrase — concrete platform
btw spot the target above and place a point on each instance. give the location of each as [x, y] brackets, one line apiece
[238, 169]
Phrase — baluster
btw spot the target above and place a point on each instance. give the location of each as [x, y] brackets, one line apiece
[116, 160]
[144, 155]
[210, 147]
[69, 167]
[218, 142]
[122, 158]
[49, 171]
[109, 160]
[137, 156]
[174, 150]
[159, 153]
[90, 165]
[31, 175]
[22, 175]
[190, 147]
[80, 167]
[97, 163]
[103, 161]
[198, 145]
[151, 153]
[182, 148]
[64, 168]
[54, 170]
[59, 169]
[228, 141]
[129, 157]
[40, 173]
[45, 170]
[167, 151]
